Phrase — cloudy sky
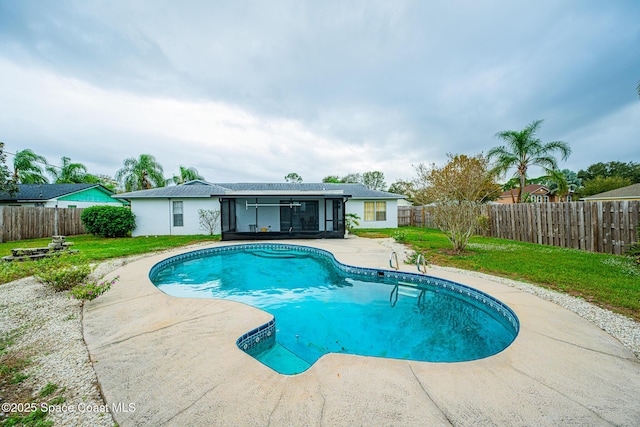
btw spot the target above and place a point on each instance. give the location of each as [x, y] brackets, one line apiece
[248, 91]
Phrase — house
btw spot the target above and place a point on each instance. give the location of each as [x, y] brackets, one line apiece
[536, 194]
[60, 195]
[261, 210]
[630, 192]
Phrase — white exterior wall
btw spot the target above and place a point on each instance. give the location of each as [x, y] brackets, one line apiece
[154, 217]
[356, 206]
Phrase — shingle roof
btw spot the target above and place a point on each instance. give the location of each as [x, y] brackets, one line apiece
[629, 192]
[357, 191]
[42, 192]
[530, 188]
[177, 191]
[201, 189]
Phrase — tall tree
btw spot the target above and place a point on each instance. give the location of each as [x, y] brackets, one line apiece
[141, 173]
[563, 183]
[523, 150]
[28, 167]
[374, 180]
[628, 170]
[70, 173]
[334, 179]
[403, 187]
[600, 184]
[293, 177]
[457, 191]
[352, 178]
[186, 175]
[7, 184]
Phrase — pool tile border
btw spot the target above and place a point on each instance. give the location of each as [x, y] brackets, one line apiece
[259, 339]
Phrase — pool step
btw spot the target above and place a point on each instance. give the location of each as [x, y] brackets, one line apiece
[407, 289]
[413, 293]
[277, 254]
[282, 360]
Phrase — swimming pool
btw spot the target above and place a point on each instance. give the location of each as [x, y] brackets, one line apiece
[322, 306]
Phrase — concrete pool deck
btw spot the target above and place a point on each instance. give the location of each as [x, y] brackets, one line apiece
[177, 362]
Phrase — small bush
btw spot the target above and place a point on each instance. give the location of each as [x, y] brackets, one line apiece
[108, 221]
[63, 273]
[92, 290]
[209, 220]
[400, 236]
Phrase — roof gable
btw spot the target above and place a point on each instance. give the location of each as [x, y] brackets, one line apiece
[96, 194]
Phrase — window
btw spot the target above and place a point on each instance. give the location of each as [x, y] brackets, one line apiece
[375, 211]
[178, 220]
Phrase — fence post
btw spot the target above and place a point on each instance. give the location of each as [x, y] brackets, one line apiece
[55, 221]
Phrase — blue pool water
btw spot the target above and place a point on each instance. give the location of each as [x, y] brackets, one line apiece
[321, 306]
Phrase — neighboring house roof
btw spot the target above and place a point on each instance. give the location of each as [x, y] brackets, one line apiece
[630, 192]
[531, 189]
[44, 192]
[202, 189]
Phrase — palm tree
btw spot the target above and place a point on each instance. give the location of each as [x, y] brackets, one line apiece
[563, 183]
[141, 174]
[27, 169]
[69, 173]
[523, 150]
[186, 175]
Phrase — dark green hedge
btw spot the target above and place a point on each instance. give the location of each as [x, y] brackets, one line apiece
[108, 221]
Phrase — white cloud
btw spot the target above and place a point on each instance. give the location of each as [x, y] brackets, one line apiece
[226, 143]
[252, 91]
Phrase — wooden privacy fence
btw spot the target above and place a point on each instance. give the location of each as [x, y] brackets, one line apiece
[607, 227]
[416, 216]
[25, 222]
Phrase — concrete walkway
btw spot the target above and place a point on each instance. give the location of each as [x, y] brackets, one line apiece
[176, 361]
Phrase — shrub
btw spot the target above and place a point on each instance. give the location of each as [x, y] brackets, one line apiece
[400, 236]
[91, 290]
[209, 220]
[108, 221]
[351, 220]
[63, 273]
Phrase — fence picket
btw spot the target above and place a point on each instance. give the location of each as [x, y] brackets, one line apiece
[608, 227]
[34, 222]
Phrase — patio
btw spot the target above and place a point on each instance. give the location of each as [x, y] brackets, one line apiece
[177, 361]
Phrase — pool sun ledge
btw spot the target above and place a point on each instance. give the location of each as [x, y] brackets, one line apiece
[177, 359]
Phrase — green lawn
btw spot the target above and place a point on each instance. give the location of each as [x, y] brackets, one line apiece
[606, 280]
[610, 281]
[94, 249]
